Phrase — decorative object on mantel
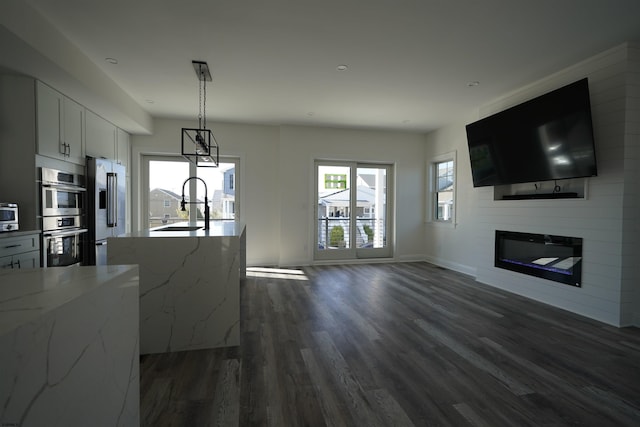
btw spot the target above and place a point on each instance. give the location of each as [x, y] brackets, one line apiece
[199, 145]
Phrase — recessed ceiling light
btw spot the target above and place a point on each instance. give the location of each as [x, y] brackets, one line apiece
[149, 101]
[341, 67]
[473, 83]
[111, 60]
[310, 113]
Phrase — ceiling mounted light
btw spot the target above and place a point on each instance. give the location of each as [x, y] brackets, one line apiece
[341, 67]
[199, 145]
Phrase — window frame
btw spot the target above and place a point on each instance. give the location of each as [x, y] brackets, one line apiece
[432, 185]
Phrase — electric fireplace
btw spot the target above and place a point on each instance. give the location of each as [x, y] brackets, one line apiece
[556, 258]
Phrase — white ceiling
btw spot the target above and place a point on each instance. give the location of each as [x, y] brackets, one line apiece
[274, 62]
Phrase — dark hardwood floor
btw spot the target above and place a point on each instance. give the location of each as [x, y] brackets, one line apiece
[397, 345]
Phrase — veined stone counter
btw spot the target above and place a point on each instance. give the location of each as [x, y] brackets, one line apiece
[189, 285]
[69, 346]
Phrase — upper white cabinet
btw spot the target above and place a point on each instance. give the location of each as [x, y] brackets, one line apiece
[100, 137]
[122, 149]
[74, 130]
[60, 124]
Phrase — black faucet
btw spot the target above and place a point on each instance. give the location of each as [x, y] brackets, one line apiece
[206, 201]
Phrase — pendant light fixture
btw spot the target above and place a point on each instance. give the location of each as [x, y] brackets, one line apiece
[199, 145]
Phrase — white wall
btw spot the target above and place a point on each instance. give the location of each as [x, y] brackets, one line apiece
[299, 146]
[276, 180]
[446, 245]
[598, 219]
[631, 208]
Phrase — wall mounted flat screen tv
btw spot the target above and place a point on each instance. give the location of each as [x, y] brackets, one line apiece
[547, 138]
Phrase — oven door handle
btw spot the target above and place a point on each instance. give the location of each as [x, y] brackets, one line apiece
[112, 199]
[64, 187]
[65, 233]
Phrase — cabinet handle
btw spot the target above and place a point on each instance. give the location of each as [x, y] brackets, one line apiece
[12, 246]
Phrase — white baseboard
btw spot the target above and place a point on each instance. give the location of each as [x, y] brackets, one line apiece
[460, 268]
[410, 258]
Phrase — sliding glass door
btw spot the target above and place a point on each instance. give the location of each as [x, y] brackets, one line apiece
[353, 213]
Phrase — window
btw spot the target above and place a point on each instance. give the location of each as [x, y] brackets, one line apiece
[165, 176]
[444, 190]
[442, 185]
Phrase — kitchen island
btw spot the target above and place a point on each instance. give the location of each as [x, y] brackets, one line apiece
[69, 346]
[189, 285]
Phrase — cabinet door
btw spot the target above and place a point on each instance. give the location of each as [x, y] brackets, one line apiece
[122, 152]
[60, 125]
[73, 130]
[100, 137]
[49, 119]
[27, 260]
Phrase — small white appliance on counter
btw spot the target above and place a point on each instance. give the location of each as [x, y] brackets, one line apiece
[106, 208]
[8, 217]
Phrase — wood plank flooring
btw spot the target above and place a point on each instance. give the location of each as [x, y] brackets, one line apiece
[406, 344]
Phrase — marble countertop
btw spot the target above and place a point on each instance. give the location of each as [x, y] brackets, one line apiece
[217, 229]
[18, 233]
[27, 294]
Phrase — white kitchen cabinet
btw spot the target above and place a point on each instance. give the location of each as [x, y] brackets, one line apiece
[74, 130]
[22, 251]
[60, 123]
[100, 137]
[122, 149]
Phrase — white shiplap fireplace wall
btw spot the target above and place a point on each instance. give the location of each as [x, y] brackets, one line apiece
[631, 207]
[607, 218]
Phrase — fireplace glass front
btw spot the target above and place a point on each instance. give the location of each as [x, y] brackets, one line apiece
[556, 258]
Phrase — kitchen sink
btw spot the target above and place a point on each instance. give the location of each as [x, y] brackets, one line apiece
[180, 228]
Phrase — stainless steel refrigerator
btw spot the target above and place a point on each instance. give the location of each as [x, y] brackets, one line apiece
[106, 189]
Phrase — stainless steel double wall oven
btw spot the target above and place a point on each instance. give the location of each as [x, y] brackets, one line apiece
[64, 236]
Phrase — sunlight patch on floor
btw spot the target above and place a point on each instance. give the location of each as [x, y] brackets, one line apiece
[276, 273]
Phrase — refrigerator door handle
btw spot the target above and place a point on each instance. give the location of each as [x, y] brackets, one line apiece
[112, 199]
